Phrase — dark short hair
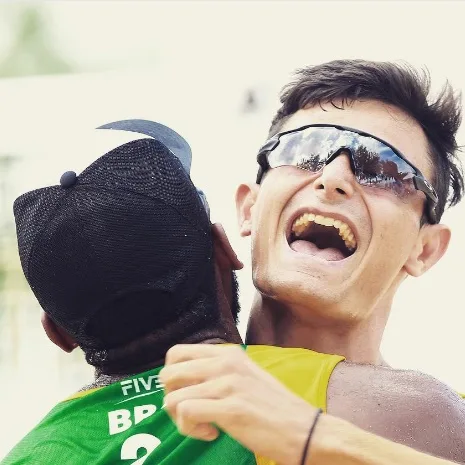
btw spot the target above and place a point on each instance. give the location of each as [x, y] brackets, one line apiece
[195, 324]
[399, 85]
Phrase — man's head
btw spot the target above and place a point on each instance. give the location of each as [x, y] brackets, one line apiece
[374, 224]
[121, 257]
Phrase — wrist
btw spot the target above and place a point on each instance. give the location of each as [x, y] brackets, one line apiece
[305, 450]
[295, 434]
[323, 443]
[299, 437]
[335, 441]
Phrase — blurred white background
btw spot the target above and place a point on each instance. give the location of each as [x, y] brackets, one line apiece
[212, 71]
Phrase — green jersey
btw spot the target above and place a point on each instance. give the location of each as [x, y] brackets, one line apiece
[125, 423]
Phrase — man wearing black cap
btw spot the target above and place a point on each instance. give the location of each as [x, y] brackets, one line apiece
[121, 259]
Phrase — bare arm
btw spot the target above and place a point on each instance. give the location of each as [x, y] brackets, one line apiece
[207, 385]
[338, 441]
[405, 406]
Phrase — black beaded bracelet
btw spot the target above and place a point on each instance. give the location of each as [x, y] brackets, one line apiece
[309, 437]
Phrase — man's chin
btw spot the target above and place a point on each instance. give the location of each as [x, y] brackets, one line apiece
[301, 290]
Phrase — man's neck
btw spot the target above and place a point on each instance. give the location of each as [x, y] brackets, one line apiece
[274, 324]
[105, 377]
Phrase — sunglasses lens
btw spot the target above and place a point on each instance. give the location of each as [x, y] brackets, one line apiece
[308, 149]
[379, 166]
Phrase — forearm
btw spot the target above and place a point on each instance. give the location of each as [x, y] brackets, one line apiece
[337, 441]
[207, 385]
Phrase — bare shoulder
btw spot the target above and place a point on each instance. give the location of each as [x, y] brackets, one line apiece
[405, 406]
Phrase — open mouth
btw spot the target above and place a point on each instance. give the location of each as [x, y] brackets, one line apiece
[322, 236]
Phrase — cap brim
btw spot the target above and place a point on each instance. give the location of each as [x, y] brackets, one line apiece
[167, 136]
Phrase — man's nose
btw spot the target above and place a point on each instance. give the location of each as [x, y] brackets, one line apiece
[336, 180]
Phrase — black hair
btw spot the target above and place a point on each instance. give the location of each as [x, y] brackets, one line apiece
[399, 85]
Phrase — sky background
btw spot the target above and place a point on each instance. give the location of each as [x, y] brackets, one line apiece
[192, 66]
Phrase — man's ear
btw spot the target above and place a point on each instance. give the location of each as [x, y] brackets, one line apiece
[57, 334]
[432, 243]
[226, 262]
[225, 256]
[246, 196]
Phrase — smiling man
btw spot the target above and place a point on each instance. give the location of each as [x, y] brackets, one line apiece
[344, 208]
[358, 169]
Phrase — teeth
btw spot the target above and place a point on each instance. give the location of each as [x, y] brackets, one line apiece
[301, 224]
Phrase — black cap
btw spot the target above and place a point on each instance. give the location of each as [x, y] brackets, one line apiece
[132, 224]
[173, 141]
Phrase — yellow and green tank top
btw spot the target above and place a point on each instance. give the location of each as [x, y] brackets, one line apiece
[124, 423]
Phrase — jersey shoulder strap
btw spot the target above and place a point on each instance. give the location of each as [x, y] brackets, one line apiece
[303, 371]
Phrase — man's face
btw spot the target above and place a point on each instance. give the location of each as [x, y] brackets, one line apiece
[386, 228]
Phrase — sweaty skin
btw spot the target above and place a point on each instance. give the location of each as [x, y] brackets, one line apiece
[405, 406]
[221, 386]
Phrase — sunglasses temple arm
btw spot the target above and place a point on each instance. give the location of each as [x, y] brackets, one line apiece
[431, 198]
